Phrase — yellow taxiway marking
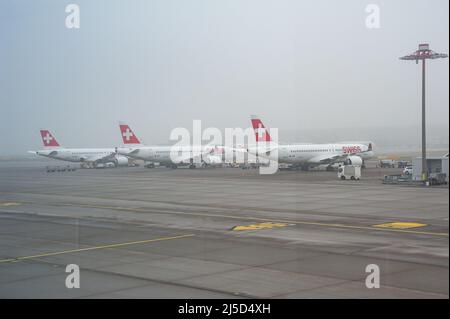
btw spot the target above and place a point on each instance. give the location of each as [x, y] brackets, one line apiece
[93, 248]
[267, 225]
[9, 203]
[400, 225]
[261, 219]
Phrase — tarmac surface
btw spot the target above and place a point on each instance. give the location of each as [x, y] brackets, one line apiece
[218, 233]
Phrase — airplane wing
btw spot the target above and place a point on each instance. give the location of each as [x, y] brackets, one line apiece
[337, 158]
[188, 156]
[327, 159]
[133, 152]
[101, 159]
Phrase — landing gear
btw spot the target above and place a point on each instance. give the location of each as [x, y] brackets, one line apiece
[88, 165]
[150, 165]
[192, 166]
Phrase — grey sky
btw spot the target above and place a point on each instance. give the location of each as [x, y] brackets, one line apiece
[301, 65]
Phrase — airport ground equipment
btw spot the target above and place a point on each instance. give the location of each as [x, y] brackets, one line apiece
[67, 168]
[398, 179]
[150, 165]
[403, 164]
[352, 172]
[387, 163]
[437, 179]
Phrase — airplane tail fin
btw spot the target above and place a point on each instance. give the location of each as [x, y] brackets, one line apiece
[48, 139]
[261, 133]
[128, 136]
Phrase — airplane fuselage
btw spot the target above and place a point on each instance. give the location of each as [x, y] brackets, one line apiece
[172, 154]
[80, 155]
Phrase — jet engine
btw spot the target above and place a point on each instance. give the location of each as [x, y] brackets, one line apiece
[354, 160]
[121, 161]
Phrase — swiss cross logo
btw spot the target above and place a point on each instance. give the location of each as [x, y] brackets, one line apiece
[47, 139]
[127, 134]
[261, 133]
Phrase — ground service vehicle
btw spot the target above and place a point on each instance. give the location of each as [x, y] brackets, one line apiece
[352, 172]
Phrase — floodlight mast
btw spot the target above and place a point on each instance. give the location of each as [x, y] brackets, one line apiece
[424, 53]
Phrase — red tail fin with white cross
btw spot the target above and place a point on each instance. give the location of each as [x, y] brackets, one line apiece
[128, 136]
[48, 139]
[261, 133]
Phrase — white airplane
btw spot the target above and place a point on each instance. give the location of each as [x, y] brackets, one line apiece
[169, 156]
[308, 155]
[89, 157]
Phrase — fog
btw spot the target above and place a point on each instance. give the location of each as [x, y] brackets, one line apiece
[310, 68]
